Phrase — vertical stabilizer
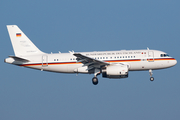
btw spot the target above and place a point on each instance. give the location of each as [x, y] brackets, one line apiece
[22, 45]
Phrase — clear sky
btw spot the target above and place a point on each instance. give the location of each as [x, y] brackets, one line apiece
[90, 25]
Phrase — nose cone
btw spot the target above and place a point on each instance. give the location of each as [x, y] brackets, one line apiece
[175, 61]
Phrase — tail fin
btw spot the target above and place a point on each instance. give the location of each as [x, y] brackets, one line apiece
[22, 45]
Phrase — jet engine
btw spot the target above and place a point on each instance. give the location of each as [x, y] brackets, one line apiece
[115, 71]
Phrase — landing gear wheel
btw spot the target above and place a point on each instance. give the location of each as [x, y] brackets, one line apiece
[95, 80]
[151, 78]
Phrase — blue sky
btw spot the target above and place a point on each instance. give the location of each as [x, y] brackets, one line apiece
[91, 25]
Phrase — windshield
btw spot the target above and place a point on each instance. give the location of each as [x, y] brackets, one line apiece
[164, 55]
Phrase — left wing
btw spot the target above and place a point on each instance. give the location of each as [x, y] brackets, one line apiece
[90, 62]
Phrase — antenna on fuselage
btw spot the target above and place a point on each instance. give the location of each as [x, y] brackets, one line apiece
[72, 52]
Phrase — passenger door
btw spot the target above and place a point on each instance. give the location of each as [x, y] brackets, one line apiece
[150, 56]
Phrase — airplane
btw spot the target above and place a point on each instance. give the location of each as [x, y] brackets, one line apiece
[111, 64]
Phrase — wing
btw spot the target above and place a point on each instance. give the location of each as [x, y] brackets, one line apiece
[90, 62]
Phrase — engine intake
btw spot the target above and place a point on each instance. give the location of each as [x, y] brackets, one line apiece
[115, 71]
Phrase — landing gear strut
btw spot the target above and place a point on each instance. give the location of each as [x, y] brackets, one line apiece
[150, 73]
[95, 79]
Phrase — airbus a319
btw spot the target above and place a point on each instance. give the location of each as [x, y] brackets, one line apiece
[111, 64]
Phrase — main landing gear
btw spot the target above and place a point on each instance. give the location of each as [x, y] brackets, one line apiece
[150, 73]
[95, 79]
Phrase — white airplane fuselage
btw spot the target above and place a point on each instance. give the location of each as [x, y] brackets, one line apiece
[111, 64]
[137, 60]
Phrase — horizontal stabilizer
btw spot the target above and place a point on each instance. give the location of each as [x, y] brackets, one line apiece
[19, 59]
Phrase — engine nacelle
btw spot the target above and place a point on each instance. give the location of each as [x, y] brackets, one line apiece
[115, 71]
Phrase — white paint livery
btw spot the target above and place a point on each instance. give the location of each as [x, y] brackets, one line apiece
[111, 64]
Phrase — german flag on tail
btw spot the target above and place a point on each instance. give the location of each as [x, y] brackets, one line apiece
[18, 34]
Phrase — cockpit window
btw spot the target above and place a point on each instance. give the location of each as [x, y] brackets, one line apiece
[164, 55]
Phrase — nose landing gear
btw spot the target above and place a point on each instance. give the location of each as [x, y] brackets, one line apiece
[150, 73]
[151, 78]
